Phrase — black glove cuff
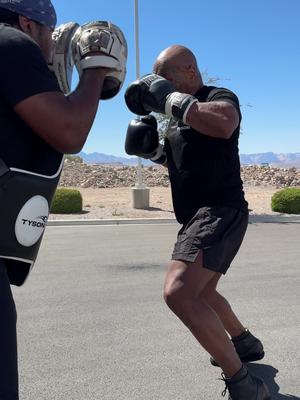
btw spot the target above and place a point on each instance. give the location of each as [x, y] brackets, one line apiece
[160, 156]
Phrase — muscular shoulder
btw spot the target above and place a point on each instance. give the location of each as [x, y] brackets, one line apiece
[214, 93]
[222, 94]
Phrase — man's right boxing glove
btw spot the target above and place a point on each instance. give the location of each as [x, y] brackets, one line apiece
[142, 140]
[154, 93]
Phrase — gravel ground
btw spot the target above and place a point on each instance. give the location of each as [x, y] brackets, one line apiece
[110, 203]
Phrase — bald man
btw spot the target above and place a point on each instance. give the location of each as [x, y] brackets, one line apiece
[201, 154]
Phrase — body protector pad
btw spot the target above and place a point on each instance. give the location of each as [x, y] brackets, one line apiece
[62, 63]
[109, 42]
[25, 200]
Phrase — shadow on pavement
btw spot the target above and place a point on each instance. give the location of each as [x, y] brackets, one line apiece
[268, 374]
[81, 212]
[159, 209]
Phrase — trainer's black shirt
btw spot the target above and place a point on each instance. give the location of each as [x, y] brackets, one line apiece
[204, 171]
[23, 73]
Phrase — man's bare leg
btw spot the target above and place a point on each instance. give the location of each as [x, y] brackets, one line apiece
[248, 347]
[222, 307]
[183, 287]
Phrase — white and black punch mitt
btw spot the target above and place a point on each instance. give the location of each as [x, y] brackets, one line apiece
[107, 39]
[62, 63]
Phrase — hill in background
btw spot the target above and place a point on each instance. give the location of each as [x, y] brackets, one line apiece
[282, 160]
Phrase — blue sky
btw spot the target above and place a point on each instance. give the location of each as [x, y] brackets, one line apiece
[252, 45]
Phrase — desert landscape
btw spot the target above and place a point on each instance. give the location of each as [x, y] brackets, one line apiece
[107, 189]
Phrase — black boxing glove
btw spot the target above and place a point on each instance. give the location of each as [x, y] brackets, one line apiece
[154, 93]
[142, 140]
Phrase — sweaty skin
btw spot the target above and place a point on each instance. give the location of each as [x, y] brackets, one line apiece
[216, 119]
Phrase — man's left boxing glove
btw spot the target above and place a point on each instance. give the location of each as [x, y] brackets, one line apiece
[142, 140]
[154, 93]
[101, 44]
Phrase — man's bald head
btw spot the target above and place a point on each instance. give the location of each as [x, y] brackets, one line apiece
[174, 56]
[179, 65]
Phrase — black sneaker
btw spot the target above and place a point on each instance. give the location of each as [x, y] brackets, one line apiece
[244, 386]
[248, 347]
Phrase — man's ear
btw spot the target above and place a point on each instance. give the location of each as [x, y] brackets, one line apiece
[25, 24]
[192, 72]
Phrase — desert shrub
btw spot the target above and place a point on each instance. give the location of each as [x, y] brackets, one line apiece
[76, 159]
[286, 201]
[66, 201]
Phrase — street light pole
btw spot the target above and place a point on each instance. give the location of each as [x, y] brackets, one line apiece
[136, 36]
[140, 192]
[139, 180]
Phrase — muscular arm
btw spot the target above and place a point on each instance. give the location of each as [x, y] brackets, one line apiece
[217, 119]
[64, 121]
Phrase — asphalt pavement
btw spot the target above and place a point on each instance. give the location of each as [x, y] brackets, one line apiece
[92, 323]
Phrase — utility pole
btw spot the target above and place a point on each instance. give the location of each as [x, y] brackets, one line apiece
[140, 193]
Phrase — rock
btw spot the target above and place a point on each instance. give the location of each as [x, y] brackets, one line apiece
[107, 176]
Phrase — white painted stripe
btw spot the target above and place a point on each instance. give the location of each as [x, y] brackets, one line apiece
[42, 176]
[19, 259]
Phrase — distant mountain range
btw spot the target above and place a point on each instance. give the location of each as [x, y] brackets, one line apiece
[280, 160]
[101, 158]
[284, 160]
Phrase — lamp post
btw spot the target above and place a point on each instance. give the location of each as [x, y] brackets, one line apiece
[140, 192]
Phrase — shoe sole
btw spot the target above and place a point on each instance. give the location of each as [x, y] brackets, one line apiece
[252, 357]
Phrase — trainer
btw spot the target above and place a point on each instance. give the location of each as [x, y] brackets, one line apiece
[41, 119]
[201, 153]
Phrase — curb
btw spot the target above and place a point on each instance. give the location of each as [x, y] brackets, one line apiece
[275, 219]
[271, 219]
[124, 221]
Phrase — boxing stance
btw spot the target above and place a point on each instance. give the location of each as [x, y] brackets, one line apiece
[201, 154]
[41, 118]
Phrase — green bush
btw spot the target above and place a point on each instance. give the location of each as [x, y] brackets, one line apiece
[66, 201]
[76, 159]
[286, 201]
